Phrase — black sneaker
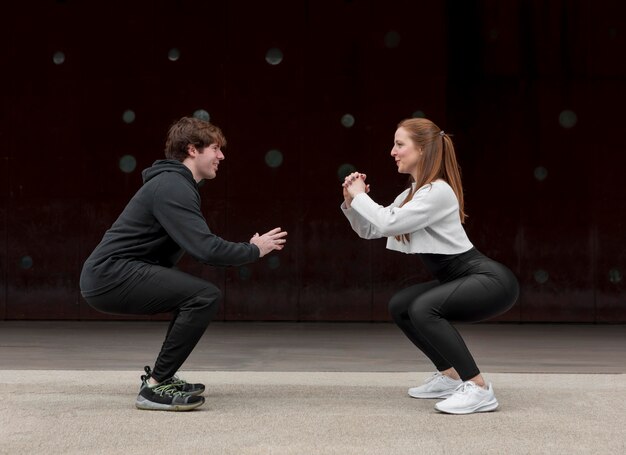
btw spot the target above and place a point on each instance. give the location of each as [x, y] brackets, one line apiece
[165, 397]
[180, 384]
[184, 386]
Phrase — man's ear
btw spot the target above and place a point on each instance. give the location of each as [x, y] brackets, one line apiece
[191, 150]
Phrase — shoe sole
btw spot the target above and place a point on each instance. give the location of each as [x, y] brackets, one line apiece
[147, 405]
[486, 407]
[431, 394]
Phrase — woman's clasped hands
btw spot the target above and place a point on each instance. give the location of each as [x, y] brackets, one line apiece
[352, 185]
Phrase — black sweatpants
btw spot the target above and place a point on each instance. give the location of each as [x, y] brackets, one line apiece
[192, 301]
[470, 287]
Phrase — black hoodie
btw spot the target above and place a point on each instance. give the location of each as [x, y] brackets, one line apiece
[160, 223]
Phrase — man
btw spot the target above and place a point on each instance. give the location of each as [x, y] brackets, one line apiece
[131, 270]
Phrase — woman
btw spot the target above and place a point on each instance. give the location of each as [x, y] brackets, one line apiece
[426, 220]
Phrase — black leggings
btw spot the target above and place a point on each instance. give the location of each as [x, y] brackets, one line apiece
[192, 301]
[470, 288]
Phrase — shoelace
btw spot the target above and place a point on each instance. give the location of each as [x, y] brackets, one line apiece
[174, 380]
[169, 387]
[177, 382]
[169, 390]
[433, 377]
[465, 387]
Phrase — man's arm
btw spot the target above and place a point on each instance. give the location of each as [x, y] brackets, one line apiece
[177, 208]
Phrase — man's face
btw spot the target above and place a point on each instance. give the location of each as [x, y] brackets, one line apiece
[207, 161]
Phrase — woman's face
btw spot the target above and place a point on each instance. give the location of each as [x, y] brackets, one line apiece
[406, 153]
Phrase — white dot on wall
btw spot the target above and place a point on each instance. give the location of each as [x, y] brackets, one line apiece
[273, 262]
[615, 276]
[568, 118]
[274, 56]
[419, 114]
[345, 170]
[245, 273]
[128, 116]
[58, 58]
[128, 163]
[274, 158]
[541, 276]
[541, 173]
[26, 262]
[173, 54]
[348, 120]
[202, 115]
[392, 39]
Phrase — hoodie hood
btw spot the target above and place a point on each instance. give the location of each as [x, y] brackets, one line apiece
[160, 166]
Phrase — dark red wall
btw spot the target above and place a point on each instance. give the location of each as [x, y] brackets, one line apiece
[497, 75]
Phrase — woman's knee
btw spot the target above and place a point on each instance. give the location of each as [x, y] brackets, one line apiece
[398, 305]
[422, 311]
[402, 300]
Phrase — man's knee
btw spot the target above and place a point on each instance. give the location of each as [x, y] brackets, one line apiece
[204, 303]
[207, 302]
[211, 293]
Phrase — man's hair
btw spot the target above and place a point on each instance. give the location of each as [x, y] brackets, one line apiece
[191, 131]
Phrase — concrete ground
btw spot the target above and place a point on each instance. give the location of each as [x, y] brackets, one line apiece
[299, 388]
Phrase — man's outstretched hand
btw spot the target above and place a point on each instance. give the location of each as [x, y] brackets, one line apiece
[270, 241]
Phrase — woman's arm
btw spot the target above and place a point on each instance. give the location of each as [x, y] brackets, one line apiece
[428, 205]
[360, 225]
[364, 228]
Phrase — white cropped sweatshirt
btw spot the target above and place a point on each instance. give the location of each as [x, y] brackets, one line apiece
[431, 218]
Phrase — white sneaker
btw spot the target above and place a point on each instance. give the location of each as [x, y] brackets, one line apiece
[437, 386]
[469, 398]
